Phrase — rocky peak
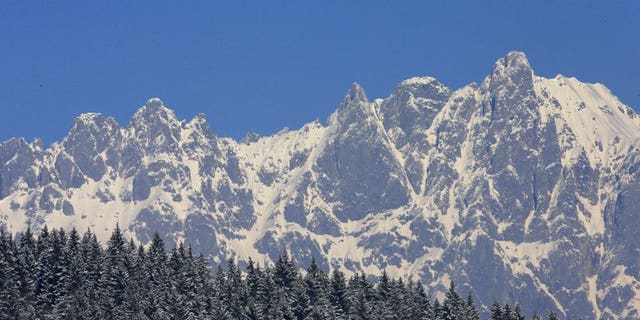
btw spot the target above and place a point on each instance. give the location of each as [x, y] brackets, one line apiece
[511, 71]
[497, 203]
[93, 125]
[197, 132]
[514, 60]
[424, 87]
[154, 112]
[200, 123]
[155, 127]
[355, 95]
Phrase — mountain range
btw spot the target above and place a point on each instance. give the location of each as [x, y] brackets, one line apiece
[520, 188]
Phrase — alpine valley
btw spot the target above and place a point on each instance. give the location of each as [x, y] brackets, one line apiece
[520, 188]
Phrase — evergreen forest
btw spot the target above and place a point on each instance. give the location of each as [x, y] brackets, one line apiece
[68, 275]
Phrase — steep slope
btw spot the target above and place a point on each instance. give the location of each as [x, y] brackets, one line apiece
[521, 188]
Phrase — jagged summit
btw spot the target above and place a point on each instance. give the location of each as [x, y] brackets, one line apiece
[154, 111]
[514, 63]
[520, 188]
[417, 81]
[92, 119]
[89, 116]
[154, 103]
[355, 94]
[154, 108]
[515, 59]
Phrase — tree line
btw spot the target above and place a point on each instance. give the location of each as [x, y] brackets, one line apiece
[60, 275]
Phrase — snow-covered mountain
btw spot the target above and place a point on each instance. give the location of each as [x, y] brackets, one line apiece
[521, 188]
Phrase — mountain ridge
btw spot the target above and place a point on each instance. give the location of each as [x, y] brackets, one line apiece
[495, 185]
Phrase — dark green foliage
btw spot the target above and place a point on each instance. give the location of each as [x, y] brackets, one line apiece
[552, 316]
[506, 312]
[68, 276]
[339, 295]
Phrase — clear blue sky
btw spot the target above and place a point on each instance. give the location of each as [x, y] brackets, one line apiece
[264, 65]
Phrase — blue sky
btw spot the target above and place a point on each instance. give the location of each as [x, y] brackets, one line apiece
[264, 65]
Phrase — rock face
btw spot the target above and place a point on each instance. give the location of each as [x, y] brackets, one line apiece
[520, 188]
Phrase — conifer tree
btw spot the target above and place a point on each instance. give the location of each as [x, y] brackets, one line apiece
[234, 291]
[383, 297]
[400, 298]
[221, 310]
[137, 287]
[71, 303]
[361, 297]
[552, 316]
[286, 279]
[453, 306]
[470, 312]
[420, 306]
[26, 274]
[339, 296]
[317, 283]
[156, 270]
[203, 286]
[496, 311]
[114, 277]
[91, 256]
[517, 313]
[268, 296]
[50, 275]
[9, 282]
[75, 278]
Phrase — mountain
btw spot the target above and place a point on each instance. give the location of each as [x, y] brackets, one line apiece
[521, 188]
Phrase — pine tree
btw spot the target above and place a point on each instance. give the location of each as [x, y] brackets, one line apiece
[400, 300]
[285, 277]
[203, 287]
[91, 254]
[235, 295]
[269, 296]
[74, 278]
[470, 312]
[339, 296]
[552, 316]
[114, 277]
[454, 307]
[28, 264]
[137, 285]
[253, 274]
[156, 270]
[439, 311]
[361, 297]
[316, 283]
[285, 272]
[517, 313]
[51, 275]
[9, 278]
[420, 305]
[507, 313]
[301, 305]
[383, 297]
[252, 281]
[496, 311]
[222, 310]
[71, 304]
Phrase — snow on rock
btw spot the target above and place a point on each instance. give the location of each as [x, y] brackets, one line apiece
[520, 188]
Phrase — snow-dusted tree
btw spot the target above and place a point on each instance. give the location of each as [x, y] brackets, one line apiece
[156, 271]
[114, 277]
[339, 295]
[9, 278]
